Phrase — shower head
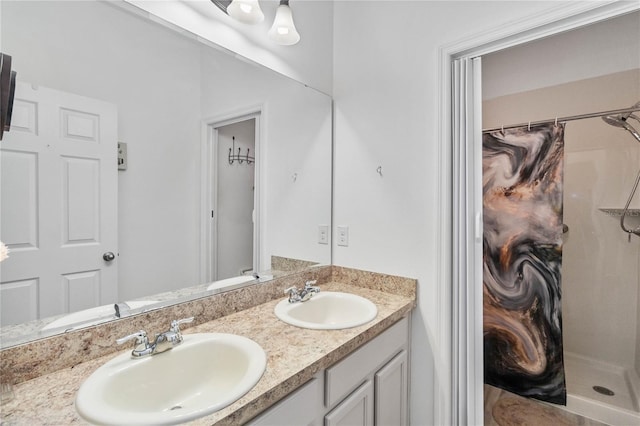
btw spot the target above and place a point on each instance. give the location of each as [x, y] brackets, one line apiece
[614, 120]
[621, 121]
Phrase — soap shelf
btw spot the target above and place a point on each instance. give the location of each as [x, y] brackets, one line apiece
[618, 212]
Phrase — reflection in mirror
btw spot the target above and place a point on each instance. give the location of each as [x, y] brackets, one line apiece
[178, 214]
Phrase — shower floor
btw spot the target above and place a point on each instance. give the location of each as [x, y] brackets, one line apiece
[585, 406]
[524, 411]
[582, 374]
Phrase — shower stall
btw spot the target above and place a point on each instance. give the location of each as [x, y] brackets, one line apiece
[600, 276]
[601, 270]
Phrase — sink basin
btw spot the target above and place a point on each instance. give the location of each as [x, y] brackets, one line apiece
[327, 311]
[202, 375]
[230, 282]
[93, 316]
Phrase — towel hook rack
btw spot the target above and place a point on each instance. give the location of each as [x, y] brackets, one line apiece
[240, 158]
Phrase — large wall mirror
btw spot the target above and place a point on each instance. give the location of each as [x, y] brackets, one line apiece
[144, 167]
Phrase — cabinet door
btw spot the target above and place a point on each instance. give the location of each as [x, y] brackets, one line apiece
[391, 392]
[301, 408]
[355, 410]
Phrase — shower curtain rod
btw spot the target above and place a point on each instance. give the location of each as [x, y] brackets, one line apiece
[565, 119]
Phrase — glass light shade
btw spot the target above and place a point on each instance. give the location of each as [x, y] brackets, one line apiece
[247, 11]
[283, 31]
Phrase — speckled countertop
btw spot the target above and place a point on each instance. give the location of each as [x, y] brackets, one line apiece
[294, 356]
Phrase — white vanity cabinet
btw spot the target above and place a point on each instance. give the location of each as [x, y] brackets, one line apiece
[368, 387]
[355, 410]
[303, 407]
[391, 391]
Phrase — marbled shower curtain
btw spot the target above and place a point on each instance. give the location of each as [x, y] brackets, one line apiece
[522, 200]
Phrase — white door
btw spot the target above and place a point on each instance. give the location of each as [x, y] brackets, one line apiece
[58, 205]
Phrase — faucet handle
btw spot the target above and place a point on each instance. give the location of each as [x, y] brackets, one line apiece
[310, 287]
[122, 309]
[293, 293]
[140, 336]
[175, 324]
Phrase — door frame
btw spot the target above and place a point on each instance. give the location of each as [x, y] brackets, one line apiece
[460, 401]
[208, 201]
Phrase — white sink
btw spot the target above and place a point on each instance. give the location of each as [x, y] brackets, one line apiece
[229, 282]
[93, 316]
[202, 375]
[327, 310]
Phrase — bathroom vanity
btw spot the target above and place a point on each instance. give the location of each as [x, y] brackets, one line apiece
[312, 376]
[369, 384]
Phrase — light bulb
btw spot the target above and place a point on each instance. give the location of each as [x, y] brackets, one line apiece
[283, 31]
[247, 11]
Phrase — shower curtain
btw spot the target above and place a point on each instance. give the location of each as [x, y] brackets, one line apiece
[522, 207]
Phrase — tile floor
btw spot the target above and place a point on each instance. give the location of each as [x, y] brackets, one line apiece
[502, 408]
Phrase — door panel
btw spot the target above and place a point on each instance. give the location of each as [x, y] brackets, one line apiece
[20, 221]
[391, 392]
[355, 410]
[82, 289]
[22, 303]
[58, 205]
[80, 200]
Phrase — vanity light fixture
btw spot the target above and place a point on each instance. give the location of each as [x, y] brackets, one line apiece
[247, 11]
[283, 31]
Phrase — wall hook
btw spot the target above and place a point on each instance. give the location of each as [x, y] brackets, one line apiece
[379, 170]
[239, 157]
[294, 177]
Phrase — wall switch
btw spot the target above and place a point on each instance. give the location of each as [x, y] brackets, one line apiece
[343, 236]
[323, 234]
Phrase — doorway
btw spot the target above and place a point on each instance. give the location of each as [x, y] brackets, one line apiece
[231, 191]
[461, 191]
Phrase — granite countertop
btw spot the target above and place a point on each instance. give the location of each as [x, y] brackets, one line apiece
[294, 356]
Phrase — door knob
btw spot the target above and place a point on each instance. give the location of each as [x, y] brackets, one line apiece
[108, 256]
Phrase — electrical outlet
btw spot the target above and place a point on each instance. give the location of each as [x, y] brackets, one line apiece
[323, 234]
[343, 236]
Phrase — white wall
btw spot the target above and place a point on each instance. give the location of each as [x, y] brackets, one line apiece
[386, 114]
[296, 139]
[309, 61]
[592, 51]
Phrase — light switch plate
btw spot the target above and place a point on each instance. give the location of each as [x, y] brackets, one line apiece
[343, 236]
[323, 234]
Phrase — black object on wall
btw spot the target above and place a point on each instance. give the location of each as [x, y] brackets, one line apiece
[7, 93]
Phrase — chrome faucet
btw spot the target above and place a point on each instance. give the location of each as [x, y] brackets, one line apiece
[163, 342]
[122, 309]
[303, 295]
